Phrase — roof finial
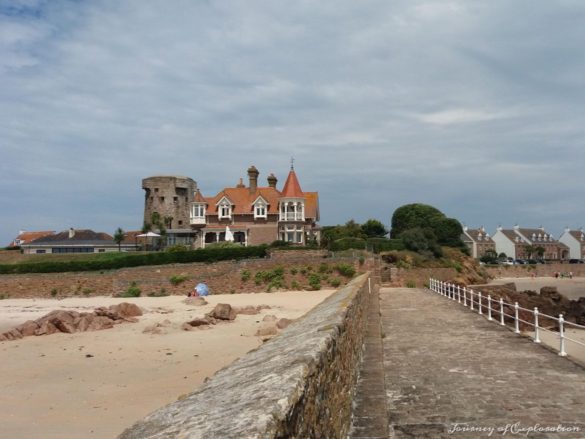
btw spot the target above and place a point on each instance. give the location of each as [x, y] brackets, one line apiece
[292, 163]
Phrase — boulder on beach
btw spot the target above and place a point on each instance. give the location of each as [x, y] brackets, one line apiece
[223, 311]
[72, 321]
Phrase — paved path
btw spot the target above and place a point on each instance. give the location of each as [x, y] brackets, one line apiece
[448, 369]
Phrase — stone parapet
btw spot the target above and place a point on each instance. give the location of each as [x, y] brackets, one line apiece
[298, 384]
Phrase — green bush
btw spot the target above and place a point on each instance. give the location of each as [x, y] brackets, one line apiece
[345, 270]
[132, 291]
[315, 281]
[347, 244]
[335, 282]
[323, 268]
[207, 255]
[177, 248]
[294, 271]
[54, 292]
[178, 279]
[295, 285]
[87, 291]
[361, 260]
[246, 275]
[161, 293]
[410, 284]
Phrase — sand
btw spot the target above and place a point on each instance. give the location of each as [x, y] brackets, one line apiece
[95, 384]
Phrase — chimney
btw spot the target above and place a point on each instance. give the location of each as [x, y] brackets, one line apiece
[272, 180]
[253, 176]
[241, 183]
[71, 233]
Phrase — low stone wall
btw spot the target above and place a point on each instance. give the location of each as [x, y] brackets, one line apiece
[222, 277]
[296, 255]
[298, 384]
[540, 270]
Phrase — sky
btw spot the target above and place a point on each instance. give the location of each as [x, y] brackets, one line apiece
[474, 107]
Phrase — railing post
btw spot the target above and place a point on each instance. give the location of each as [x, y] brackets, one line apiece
[442, 292]
[502, 312]
[490, 307]
[562, 353]
[458, 294]
[449, 290]
[471, 298]
[536, 332]
[464, 296]
[454, 292]
[516, 322]
[369, 285]
[479, 300]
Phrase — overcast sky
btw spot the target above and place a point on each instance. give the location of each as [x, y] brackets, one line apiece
[475, 107]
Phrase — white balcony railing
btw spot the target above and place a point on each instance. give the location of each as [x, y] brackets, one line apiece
[292, 216]
[195, 220]
[495, 310]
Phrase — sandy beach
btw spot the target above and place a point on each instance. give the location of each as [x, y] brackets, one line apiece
[95, 384]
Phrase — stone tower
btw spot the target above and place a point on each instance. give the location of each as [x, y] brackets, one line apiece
[170, 196]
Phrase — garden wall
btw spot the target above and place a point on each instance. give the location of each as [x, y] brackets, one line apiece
[222, 277]
[540, 270]
[298, 384]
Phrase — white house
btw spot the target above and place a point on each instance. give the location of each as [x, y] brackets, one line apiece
[575, 240]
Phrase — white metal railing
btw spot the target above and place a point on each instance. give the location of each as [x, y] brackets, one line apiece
[475, 301]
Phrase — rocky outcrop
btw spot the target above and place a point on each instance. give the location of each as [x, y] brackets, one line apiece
[548, 301]
[195, 301]
[250, 309]
[222, 311]
[70, 322]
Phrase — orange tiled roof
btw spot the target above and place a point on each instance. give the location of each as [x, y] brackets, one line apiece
[198, 197]
[292, 187]
[242, 199]
[26, 237]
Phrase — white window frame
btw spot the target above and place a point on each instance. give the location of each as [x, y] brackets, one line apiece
[198, 211]
[224, 210]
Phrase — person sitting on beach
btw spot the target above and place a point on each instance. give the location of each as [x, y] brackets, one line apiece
[202, 289]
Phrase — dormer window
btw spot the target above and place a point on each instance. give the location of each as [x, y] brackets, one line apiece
[197, 213]
[224, 209]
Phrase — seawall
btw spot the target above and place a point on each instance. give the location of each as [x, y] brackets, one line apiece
[298, 384]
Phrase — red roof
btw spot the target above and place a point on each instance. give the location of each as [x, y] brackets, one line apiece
[198, 197]
[292, 188]
[27, 237]
[242, 199]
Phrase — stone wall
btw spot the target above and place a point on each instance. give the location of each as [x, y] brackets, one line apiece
[222, 277]
[296, 255]
[298, 384]
[540, 270]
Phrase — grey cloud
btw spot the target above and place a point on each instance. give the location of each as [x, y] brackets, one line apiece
[473, 106]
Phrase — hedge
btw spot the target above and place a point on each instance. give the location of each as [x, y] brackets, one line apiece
[375, 245]
[159, 258]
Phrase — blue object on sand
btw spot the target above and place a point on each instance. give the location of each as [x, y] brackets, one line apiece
[202, 289]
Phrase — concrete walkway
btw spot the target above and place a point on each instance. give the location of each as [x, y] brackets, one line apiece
[449, 373]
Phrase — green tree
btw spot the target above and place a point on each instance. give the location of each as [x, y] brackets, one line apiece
[411, 216]
[373, 228]
[119, 236]
[489, 257]
[422, 241]
[447, 231]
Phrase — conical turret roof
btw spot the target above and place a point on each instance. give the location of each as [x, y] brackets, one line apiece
[292, 187]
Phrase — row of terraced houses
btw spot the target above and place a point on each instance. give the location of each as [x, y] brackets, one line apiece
[520, 243]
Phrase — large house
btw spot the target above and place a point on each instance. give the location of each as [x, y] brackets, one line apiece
[76, 241]
[478, 241]
[521, 243]
[252, 215]
[575, 240]
[248, 215]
